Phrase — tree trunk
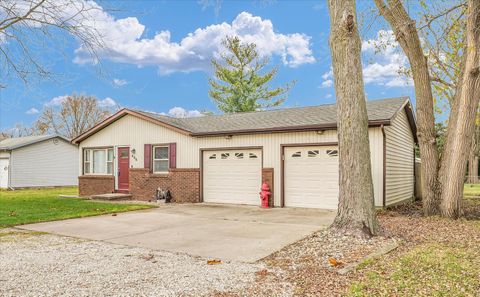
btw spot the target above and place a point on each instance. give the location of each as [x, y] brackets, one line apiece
[407, 35]
[356, 210]
[461, 138]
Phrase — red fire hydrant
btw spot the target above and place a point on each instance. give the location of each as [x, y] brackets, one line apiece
[265, 195]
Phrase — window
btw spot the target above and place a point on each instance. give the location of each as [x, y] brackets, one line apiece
[252, 156]
[86, 161]
[297, 155]
[313, 153]
[332, 153]
[160, 159]
[213, 157]
[239, 155]
[98, 161]
[225, 155]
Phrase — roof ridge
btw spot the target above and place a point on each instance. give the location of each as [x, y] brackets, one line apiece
[262, 111]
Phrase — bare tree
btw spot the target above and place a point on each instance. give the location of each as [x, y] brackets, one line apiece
[442, 189]
[356, 210]
[19, 130]
[29, 26]
[407, 35]
[459, 141]
[75, 115]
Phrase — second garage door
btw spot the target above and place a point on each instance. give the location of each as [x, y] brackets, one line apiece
[311, 176]
[232, 176]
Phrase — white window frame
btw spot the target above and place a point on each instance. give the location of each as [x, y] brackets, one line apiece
[90, 151]
[154, 159]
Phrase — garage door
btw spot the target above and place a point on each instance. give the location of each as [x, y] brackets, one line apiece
[311, 177]
[232, 176]
[4, 172]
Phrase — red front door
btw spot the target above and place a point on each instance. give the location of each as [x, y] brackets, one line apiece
[123, 165]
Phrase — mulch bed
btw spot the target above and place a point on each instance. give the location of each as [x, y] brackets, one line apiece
[304, 268]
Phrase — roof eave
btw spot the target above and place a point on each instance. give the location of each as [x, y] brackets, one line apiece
[119, 114]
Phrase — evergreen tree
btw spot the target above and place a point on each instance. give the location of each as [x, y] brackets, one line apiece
[238, 84]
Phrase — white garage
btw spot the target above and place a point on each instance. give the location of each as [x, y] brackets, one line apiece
[37, 161]
[232, 176]
[311, 176]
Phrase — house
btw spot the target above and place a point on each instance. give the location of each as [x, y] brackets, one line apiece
[38, 161]
[225, 158]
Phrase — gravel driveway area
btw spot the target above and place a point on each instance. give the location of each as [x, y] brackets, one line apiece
[36, 264]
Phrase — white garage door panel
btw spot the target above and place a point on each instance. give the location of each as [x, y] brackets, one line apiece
[311, 180]
[232, 176]
[4, 166]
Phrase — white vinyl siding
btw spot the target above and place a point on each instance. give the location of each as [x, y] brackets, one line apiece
[135, 132]
[399, 164]
[52, 162]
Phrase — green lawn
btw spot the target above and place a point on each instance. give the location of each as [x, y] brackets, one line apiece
[472, 190]
[40, 205]
[432, 269]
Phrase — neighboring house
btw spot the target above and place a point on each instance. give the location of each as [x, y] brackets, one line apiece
[38, 161]
[225, 158]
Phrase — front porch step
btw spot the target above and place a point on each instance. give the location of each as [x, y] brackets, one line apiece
[112, 196]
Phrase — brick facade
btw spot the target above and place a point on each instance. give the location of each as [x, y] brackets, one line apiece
[183, 183]
[95, 184]
[267, 176]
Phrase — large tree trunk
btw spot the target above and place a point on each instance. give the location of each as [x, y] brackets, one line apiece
[461, 138]
[356, 210]
[407, 35]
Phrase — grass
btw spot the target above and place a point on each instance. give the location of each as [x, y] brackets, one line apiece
[40, 205]
[472, 190]
[432, 269]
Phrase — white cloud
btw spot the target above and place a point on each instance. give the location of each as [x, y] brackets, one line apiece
[390, 62]
[328, 96]
[327, 83]
[32, 110]
[119, 82]
[124, 42]
[180, 112]
[56, 101]
[107, 102]
[327, 79]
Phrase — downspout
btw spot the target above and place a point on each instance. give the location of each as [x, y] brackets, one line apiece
[9, 179]
[384, 198]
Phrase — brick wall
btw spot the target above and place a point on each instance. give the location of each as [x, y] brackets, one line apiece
[95, 184]
[183, 183]
[267, 176]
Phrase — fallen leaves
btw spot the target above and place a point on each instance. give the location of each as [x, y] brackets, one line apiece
[334, 262]
[214, 262]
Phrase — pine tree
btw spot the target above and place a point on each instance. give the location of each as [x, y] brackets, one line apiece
[238, 84]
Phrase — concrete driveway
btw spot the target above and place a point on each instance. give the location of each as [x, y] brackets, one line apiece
[240, 233]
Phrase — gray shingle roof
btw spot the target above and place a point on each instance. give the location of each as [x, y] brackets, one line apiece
[17, 142]
[286, 118]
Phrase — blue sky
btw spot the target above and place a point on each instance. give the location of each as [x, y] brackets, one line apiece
[157, 56]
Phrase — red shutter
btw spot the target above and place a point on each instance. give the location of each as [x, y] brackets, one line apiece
[147, 156]
[173, 155]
